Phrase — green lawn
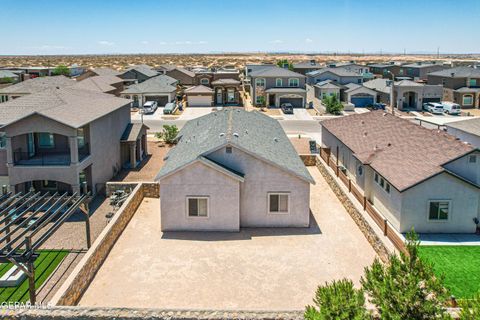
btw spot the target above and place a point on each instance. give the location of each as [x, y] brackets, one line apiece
[44, 266]
[459, 264]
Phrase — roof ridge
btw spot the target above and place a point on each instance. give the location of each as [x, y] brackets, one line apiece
[229, 126]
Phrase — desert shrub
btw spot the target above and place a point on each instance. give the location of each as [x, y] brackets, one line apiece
[168, 134]
[332, 104]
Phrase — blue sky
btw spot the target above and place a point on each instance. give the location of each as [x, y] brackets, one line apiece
[202, 26]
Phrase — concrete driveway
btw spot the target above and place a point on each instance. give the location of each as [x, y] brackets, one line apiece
[194, 112]
[255, 269]
[298, 114]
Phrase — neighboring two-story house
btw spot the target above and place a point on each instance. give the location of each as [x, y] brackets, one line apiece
[339, 75]
[307, 66]
[139, 73]
[272, 86]
[419, 70]
[233, 169]
[63, 139]
[416, 177]
[460, 85]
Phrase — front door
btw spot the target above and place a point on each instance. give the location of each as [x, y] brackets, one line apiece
[219, 96]
[31, 144]
[271, 100]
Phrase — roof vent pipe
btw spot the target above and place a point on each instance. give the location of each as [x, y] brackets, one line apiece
[235, 135]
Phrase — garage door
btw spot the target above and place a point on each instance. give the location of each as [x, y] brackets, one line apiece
[296, 102]
[161, 100]
[425, 100]
[199, 101]
[362, 101]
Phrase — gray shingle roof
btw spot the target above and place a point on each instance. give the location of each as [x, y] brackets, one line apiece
[225, 82]
[72, 107]
[161, 83]
[7, 74]
[253, 132]
[144, 69]
[106, 72]
[99, 83]
[269, 71]
[199, 89]
[39, 84]
[328, 84]
[341, 72]
[471, 126]
[132, 132]
[458, 72]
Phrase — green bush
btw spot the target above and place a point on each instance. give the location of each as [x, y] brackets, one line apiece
[406, 287]
[284, 62]
[61, 70]
[169, 134]
[338, 300]
[332, 104]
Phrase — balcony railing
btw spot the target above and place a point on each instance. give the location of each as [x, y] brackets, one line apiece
[57, 157]
[50, 158]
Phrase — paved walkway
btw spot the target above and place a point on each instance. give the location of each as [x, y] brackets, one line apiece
[254, 269]
[440, 239]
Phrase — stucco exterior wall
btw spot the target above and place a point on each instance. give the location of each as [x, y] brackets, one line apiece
[466, 169]
[474, 140]
[198, 179]
[105, 134]
[464, 205]
[261, 178]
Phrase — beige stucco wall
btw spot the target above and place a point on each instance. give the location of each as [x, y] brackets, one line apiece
[260, 179]
[465, 169]
[465, 205]
[199, 179]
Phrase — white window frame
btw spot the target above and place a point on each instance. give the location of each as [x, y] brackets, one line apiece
[196, 198]
[449, 214]
[277, 81]
[260, 79]
[279, 194]
[292, 86]
[205, 81]
[3, 140]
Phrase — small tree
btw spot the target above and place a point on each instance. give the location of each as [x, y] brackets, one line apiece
[406, 287]
[332, 104]
[470, 308]
[61, 70]
[6, 80]
[168, 134]
[261, 101]
[338, 300]
[284, 63]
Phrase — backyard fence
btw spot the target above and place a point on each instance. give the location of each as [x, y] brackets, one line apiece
[388, 231]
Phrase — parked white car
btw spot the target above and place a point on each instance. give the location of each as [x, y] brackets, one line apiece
[451, 107]
[433, 107]
[150, 107]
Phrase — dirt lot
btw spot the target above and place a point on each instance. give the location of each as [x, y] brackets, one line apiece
[254, 269]
[150, 167]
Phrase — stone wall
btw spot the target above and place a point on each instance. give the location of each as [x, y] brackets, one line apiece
[79, 280]
[362, 224]
[65, 313]
[309, 160]
[150, 189]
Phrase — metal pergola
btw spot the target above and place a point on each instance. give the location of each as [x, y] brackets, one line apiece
[28, 220]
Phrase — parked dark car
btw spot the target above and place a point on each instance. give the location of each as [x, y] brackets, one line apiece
[287, 108]
[378, 106]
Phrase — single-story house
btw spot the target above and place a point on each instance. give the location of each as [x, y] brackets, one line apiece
[98, 72]
[233, 169]
[358, 95]
[7, 76]
[199, 96]
[105, 84]
[415, 177]
[326, 88]
[466, 130]
[34, 85]
[161, 88]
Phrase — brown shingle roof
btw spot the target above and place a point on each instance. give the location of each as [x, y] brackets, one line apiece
[39, 84]
[72, 107]
[99, 83]
[402, 152]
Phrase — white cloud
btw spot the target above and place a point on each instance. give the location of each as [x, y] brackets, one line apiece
[106, 43]
[308, 40]
[276, 41]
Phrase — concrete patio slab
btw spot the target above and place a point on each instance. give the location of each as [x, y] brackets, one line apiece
[254, 269]
[443, 239]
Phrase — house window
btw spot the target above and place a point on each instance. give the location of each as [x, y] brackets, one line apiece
[382, 182]
[278, 203]
[228, 149]
[438, 210]
[278, 82]
[259, 99]
[472, 159]
[260, 83]
[3, 140]
[467, 100]
[376, 177]
[387, 187]
[360, 170]
[204, 81]
[230, 95]
[472, 82]
[46, 140]
[197, 206]
[81, 137]
[293, 82]
[359, 80]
